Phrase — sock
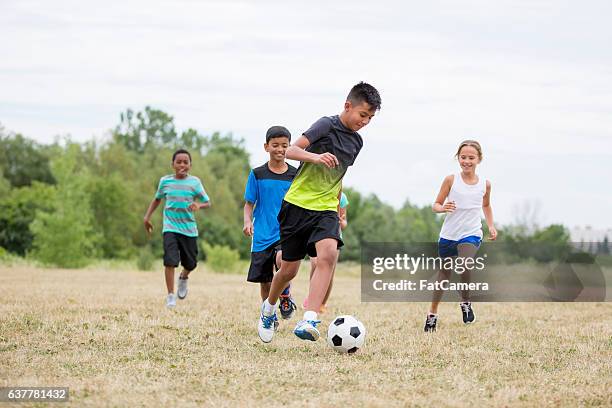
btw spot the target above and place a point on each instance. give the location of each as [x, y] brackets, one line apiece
[287, 291]
[310, 315]
[268, 309]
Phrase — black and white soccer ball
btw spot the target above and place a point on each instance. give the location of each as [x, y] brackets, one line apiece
[346, 334]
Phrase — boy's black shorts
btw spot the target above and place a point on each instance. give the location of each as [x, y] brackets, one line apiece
[300, 229]
[263, 264]
[179, 247]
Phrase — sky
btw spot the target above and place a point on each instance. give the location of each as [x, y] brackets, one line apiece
[530, 80]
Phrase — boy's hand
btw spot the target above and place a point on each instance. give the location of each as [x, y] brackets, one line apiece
[449, 207]
[148, 226]
[492, 233]
[194, 206]
[327, 159]
[247, 230]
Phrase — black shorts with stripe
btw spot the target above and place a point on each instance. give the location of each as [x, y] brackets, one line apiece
[301, 229]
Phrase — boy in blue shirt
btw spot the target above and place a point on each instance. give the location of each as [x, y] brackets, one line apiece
[265, 189]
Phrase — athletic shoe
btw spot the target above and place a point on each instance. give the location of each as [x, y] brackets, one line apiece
[467, 312]
[430, 323]
[266, 325]
[182, 288]
[170, 301]
[287, 307]
[307, 330]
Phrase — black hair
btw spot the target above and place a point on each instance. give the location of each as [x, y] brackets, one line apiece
[277, 131]
[363, 92]
[180, 151]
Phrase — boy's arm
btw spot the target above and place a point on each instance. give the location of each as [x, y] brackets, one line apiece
[343, 219]
[199, 205]
[247, 229]
[438, 205]
[488, 212]
[147, 218]
[297, 152]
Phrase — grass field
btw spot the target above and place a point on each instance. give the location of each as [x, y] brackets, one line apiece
[106, 334]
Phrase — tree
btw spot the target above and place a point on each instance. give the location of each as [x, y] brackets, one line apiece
[65, 236]
[149, 129]
[23, 161]
[17, 211]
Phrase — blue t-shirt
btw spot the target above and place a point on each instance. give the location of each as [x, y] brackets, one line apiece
[266, 190]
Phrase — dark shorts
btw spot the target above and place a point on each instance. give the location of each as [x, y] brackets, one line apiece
[300, 229]
[180, 248]
[448, 248]
[263, 264]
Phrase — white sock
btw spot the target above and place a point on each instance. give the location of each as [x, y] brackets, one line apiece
[268, 308]
[310, 315]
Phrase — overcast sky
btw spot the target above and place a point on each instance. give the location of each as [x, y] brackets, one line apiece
[531, 80]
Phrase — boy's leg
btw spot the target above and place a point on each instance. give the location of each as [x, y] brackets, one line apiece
[326, 249]
[169, 273]
[287, 305]
[172, 257]
[281, 279]
[313, 267]
[171, 297]
[319, 284]
[185, 274]
[188, 249]
[331, 282]
[264, 290]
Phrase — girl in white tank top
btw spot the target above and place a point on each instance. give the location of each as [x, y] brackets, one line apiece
[463, 197]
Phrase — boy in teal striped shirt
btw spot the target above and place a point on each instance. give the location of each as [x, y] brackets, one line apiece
[180, 231]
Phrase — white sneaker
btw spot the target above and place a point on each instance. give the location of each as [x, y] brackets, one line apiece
[182, 288]
[170, 301]
[307, 330]
[267, 325]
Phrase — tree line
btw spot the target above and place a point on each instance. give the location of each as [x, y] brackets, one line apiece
[69, 203]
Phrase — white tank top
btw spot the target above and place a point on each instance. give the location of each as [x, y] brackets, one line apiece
[465, 221]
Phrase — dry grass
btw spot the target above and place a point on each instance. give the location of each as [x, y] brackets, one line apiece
[107, 336]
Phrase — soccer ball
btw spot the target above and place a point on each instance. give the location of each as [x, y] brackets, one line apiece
[346, 334]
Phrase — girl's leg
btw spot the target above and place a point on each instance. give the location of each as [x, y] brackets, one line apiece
[438, 293]
[466, 250]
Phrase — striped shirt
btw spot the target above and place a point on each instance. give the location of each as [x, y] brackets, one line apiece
[179, 194]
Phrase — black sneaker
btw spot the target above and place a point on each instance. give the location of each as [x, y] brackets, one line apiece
[287, 307]
[467, 312]
[430, 323]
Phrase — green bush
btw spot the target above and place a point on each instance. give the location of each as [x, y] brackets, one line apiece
[221, 258]
[145, 259]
